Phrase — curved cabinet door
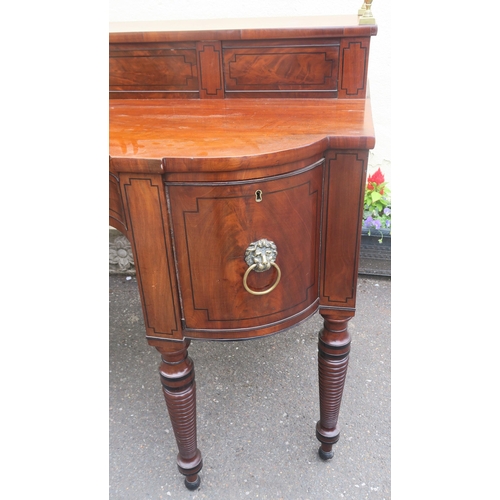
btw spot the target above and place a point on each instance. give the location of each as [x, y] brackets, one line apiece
[214, 224]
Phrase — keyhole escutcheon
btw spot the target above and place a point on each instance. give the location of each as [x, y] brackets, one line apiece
[258, 196]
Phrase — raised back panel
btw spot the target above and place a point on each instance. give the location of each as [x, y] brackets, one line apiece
[354, 67]
[153, 70]
[321, 60]
[281, 68]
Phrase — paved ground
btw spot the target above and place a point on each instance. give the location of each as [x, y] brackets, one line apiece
[257, 411]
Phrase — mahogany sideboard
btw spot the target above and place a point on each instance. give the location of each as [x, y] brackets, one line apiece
[238, 157]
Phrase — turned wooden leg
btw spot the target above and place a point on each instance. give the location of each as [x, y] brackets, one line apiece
[333, 355]
[179, 389]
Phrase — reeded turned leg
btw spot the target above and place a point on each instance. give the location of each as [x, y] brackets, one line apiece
[179, 389]
[333, 355]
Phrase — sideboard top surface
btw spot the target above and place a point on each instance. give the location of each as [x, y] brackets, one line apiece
[190, 132]
[235, 29]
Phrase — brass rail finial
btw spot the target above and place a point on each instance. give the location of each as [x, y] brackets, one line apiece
[366, 13]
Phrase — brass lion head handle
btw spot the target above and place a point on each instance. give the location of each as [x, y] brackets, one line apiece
[262, 253]
[260, 256]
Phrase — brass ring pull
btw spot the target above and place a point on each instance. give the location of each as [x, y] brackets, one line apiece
[253, 292]
[261, 255]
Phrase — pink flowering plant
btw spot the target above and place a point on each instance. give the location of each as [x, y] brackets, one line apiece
[377, 205]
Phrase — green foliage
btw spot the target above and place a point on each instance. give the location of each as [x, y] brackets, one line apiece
[377, 204]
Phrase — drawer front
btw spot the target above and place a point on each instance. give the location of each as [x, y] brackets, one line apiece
[213, 226]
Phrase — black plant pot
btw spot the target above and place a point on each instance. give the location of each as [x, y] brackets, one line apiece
[375, 257]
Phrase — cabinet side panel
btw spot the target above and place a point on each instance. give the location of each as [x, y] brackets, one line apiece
[150, 239]
[345, 178]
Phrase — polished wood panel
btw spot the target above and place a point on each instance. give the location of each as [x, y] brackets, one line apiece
[150, 239]
[155, 69]
[210, 63]
[342, 217]
[278, 69]
[354, 67]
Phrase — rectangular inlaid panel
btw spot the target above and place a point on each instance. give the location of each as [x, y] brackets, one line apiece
[213, 226]
[279, 70]
[150, 239]
[158, 68]
[342, 214]
[210, 63]
[354, 67]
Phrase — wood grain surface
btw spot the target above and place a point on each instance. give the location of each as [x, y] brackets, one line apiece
[224, 134]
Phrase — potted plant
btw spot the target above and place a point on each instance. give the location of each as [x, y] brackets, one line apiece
[375, 255]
